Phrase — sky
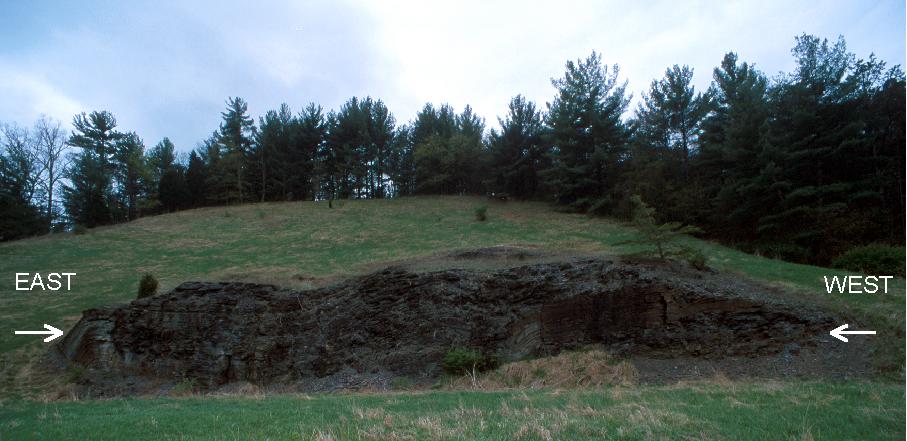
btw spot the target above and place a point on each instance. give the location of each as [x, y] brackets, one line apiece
[165, 68]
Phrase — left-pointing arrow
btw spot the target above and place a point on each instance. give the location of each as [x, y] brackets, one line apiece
[54, 332]
[840, 331]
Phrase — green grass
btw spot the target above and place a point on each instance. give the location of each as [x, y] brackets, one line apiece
[806, 411]
[301, 244]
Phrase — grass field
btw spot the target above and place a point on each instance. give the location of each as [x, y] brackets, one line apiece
[799, 412]
[306, 244]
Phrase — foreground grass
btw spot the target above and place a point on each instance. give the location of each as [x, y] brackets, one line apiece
[304, 243]
[804, 411]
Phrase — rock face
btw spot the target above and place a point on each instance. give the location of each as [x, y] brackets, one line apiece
[402, 323]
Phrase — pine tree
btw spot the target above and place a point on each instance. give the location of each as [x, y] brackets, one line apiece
[235, 138]
[196, 181]
[818, 154]
[381, 128]
[667, 127]
[517, 153]
[89, 199]
[308, 138]
[731, 159]
[271, 154]
[587, 135]
[131, 174]
[172, 189]
[160, 158]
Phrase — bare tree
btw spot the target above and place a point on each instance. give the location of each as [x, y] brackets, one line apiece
[50, 148]
[20, 147]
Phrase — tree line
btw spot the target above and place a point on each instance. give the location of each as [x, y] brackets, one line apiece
[802, 165]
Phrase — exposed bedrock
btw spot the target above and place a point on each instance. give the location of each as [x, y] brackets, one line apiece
[402, 323]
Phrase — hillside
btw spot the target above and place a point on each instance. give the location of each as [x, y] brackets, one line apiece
[306, 245]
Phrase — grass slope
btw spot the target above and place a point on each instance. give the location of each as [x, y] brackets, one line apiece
[305, 244]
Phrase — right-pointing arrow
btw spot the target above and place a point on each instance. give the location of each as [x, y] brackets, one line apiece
[839, 332]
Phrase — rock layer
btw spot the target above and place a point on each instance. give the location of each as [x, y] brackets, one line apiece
[401, 323]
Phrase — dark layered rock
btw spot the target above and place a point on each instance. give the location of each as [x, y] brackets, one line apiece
[401, 323]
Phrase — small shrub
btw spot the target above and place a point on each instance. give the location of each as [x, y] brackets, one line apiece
[877, 259]
[261, 214]
[74, 373]
[461, 361]
[147, 286]
[227, 214]
[481, 213]
[539, 373]
[401, 383]
[696, 259]
[184, 387]
[79, 229]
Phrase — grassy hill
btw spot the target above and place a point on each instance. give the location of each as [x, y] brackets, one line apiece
[307, 244]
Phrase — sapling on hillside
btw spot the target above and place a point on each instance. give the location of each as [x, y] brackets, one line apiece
[661, 238]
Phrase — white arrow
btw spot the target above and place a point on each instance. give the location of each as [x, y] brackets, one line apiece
[54, 332]
[839, 332]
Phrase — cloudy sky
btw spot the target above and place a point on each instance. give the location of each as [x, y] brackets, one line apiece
[165, 68]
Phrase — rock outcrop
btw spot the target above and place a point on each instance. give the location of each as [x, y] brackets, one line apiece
[399, 323]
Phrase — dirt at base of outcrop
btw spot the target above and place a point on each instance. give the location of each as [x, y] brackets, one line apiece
[672, 322]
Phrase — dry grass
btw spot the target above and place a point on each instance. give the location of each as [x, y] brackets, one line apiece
[594, 368]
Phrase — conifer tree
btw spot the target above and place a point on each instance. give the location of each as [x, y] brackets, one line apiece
[517, 153]
[235, 138]
[90, 199]
[587, 135]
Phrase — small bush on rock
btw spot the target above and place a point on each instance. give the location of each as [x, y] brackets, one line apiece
[147, 286]
[184, 387]
[461, 361]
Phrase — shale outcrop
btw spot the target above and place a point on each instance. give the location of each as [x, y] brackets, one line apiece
[396, 322]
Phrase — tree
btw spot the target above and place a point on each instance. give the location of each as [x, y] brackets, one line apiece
[448, 165]
[670, 115]
[235, 138]
[51, 145]
[271, 153]
[381, 133]
[818, 152]
[131, 173]
[160, 158]
[340, 160]
[401, 165]
[196, 181]
[661, 238]
[448, 152]
[89, 197]
[666, 129]
[306, 142]
[730, 159]
[587, 135]
[22, 153]
[517, 153]
[172, 190]
[18, 215]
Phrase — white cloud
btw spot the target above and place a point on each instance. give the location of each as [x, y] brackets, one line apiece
[26, 96]
[165, 69]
